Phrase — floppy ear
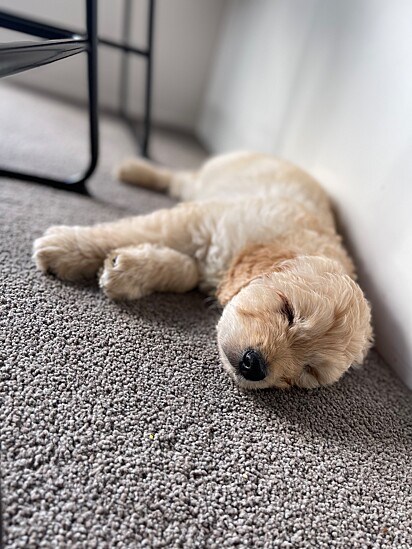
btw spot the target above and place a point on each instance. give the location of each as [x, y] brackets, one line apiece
[253, 261]
[342, 338]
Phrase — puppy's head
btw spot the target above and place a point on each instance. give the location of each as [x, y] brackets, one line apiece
[304, 325]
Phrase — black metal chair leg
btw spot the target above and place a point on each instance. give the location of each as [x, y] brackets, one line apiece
[143, 137]
[91, 18]
[149, 76]
[75, 183]
[71, 42]
[125, 61]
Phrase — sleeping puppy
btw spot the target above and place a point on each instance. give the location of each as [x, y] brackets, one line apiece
[256, 232]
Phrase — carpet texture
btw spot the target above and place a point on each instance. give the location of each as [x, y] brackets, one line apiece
[119, 428]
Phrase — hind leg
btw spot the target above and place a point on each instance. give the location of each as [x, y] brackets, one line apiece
[141, 172]
[136, 271]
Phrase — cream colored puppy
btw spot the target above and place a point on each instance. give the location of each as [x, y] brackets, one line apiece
[259, 234]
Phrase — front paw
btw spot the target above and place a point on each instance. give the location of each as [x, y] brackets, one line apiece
[119, 278]
[66, 252]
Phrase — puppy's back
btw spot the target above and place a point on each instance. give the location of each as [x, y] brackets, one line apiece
[244, 174]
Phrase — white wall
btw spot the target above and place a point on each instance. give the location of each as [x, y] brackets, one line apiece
[185, 36]
[328, 84]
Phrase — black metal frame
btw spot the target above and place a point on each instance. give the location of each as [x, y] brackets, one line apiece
[124, 74]
[61, 43]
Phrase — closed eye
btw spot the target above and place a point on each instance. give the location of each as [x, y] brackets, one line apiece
[287, 311]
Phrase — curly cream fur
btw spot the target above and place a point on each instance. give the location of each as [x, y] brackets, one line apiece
[255, 231]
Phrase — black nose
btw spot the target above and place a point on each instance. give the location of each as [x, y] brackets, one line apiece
[252, 366]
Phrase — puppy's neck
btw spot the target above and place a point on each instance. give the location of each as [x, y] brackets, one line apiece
[253, 261]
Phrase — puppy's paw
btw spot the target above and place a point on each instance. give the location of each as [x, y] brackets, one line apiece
[123, 276]
[64, 252]
[128, 170]
[141, 172]
[136, 271]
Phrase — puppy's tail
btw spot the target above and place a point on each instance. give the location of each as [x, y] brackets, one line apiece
[143, 173]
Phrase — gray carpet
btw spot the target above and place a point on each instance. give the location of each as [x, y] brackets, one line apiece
[119, 427]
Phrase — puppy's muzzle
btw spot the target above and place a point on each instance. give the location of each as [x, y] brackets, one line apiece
[252, 366]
